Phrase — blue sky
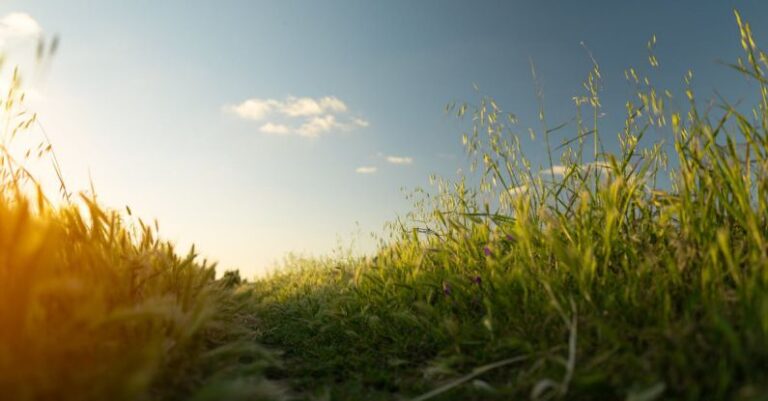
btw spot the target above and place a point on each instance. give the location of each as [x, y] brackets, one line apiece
[346, 100]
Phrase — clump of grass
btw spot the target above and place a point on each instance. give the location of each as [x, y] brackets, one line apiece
[91, 310]
[588, 279]
[94, 306]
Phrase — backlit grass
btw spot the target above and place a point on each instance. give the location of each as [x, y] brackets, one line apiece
[637, 273]
[93, 306]
[586, 280]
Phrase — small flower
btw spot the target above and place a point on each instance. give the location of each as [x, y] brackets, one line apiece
[477, 280]
[446, 289]
[509, 237]
[487, 251]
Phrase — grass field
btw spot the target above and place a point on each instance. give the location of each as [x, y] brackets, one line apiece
[590, 279]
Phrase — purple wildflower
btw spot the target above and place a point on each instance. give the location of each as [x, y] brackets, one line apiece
[510, 237]
[477, 280]
[446, 289]
[487, 251]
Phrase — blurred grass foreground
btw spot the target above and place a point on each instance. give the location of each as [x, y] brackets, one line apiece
[93, 306]
[639, 273]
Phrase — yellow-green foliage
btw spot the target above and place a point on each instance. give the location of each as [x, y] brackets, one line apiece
[93, 306]
[92, 310]
[586, 280]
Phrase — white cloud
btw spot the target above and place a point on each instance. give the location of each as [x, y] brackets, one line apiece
[317, 125]
[600, 169]
[556, 170]
[399, 160]
[18, 26]
[306, 106]
[560, 170]
[254, 109]
[310, 116]
[258, 109]
[366, 170]
[275, 129]
[332, 103]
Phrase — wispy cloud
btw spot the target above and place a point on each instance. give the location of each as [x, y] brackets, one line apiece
[253, 109]
[317, 125]
[306, 106]
[259, 109]
[366, 170]
[555, 170]
[560, 170]
[275, 129]
[18, 26]
[360, 122]
[601, 169]
[303, 116]
[399, 160]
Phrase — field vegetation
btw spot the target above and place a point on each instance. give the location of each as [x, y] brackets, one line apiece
[635, 273]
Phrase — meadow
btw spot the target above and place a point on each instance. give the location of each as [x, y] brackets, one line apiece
[638, 273]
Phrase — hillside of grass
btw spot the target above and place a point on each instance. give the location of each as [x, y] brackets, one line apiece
[586, 279]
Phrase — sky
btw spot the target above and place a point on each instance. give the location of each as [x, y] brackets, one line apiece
[257, 128]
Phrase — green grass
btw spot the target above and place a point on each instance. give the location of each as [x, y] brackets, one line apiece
[586, 280]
